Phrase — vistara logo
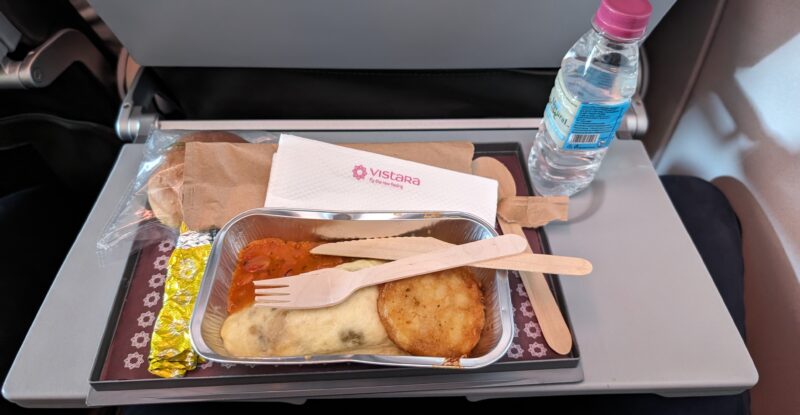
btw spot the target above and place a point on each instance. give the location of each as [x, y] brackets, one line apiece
[359, 172]
[383, 177]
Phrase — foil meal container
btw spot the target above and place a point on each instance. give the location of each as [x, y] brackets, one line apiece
[306, 225]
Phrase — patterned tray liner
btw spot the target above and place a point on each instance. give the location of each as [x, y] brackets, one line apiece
[127, 355]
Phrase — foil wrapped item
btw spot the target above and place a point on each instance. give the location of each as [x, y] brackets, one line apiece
[171, 353]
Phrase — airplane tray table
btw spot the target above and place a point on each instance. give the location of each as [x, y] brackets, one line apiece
[121, 362]
[638, 319]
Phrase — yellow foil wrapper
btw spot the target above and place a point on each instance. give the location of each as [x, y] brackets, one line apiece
[171, 353]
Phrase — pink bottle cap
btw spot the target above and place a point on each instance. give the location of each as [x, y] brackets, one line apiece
[623, 19]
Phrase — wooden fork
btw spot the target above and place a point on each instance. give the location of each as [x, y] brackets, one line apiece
[331, 286]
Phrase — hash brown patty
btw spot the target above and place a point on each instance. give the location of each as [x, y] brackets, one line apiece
[439, 314]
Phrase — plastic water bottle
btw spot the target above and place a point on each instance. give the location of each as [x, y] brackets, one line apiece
[592, 91]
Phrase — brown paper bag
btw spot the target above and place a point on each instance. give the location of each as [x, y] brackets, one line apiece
[222, 180]
[533, 211]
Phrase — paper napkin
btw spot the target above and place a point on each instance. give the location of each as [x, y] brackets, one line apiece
[309, 174]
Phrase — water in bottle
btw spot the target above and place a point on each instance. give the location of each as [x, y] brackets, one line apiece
[593, 88]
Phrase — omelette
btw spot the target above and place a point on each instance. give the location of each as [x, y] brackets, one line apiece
[352, 327]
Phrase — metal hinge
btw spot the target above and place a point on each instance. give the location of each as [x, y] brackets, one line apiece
[634, 123]
[45, 63]
[137, 117]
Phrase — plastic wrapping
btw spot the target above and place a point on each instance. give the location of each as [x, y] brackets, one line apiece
[135, 222]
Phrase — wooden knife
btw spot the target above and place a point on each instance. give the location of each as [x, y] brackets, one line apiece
[405, 246]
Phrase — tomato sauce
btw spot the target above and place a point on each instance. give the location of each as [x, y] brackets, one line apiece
[272, 258]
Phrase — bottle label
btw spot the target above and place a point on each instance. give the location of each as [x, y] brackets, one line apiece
[581, 126]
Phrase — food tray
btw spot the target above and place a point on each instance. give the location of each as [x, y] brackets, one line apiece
[121, 362]
[307, 225]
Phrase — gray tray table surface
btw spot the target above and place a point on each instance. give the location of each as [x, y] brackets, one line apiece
[648, 320]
